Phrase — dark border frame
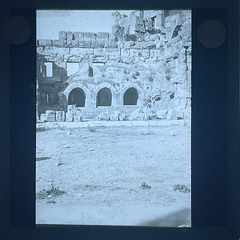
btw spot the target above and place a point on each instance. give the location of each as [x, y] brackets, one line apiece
[215, 130]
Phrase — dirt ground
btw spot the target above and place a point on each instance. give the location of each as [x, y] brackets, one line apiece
[114, 173]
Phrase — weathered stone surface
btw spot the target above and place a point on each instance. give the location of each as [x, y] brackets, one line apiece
[78, 36]
[102, 36]
[130, 37]
[60, 43]
[45, 42]
[69, 36]
[81, 51]
[111, 44]
[89, 36]
[115, 116]
[161, 114]
[60, 116]
[128, 45]
[138, 114]
[99, 58]
[103, 116]
[62, 35]
[97, 44]
[84, 44]
[43, 117]
[69, 117]
[50, 116]
[72, 43]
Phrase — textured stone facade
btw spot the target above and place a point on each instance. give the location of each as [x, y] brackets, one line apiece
[141, 69]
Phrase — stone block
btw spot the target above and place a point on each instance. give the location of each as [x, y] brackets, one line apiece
[40, 50]
[171, 115]
[142, 29]
[126, 60]
[115, 116]
[69, 36]
[122, 117]
[84, 44]
[89, 36]
[103, 116]
[180, 115]
[99, 58]
[71, 108]
[69, 117]
[45, 42]
[138, 114]
[80, 51]
[59, 43]
[102, 36]
[138, 45]
[130, 37]
[72, 44]
[62, 35]
[141, 45]
[78, 36]
[114, 56]
[186, 42]
[161, 114]
[128, 45]
[60, 116]
[151, 46]
[125, 52]
[43, 117]
[97, 44]
[111, 44]
[50, 116]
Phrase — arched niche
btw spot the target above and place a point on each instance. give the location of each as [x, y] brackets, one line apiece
[77, 97]
[104, 97]
[130, 96]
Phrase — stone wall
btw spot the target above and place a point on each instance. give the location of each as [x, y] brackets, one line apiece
[149, 51]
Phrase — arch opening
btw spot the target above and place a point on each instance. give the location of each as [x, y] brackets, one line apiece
[77, 97]
[104, 97]
[130, 97]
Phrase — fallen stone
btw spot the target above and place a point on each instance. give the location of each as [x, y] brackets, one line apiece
[69, 117]
[50, 116]
[43, 117]
[161, 114]
[60, 116]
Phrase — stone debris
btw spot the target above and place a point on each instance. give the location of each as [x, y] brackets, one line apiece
[50, 116]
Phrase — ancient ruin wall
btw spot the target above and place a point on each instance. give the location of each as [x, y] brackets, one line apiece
[150, 51]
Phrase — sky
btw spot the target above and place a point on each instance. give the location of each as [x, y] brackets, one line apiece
[50, 22]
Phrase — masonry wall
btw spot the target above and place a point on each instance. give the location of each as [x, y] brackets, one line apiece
[153, 57]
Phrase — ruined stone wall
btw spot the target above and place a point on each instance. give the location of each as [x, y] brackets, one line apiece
[149, 51]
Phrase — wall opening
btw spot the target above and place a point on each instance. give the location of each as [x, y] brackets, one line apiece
[72, 68]
[77, 97]
[153, 22]
[48, 69]
[104, 97]
[130, 97]
[90, 71]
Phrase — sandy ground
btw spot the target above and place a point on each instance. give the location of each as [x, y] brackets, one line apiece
[116, 174]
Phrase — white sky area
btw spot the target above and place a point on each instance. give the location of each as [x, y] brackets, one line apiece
[51, 22]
